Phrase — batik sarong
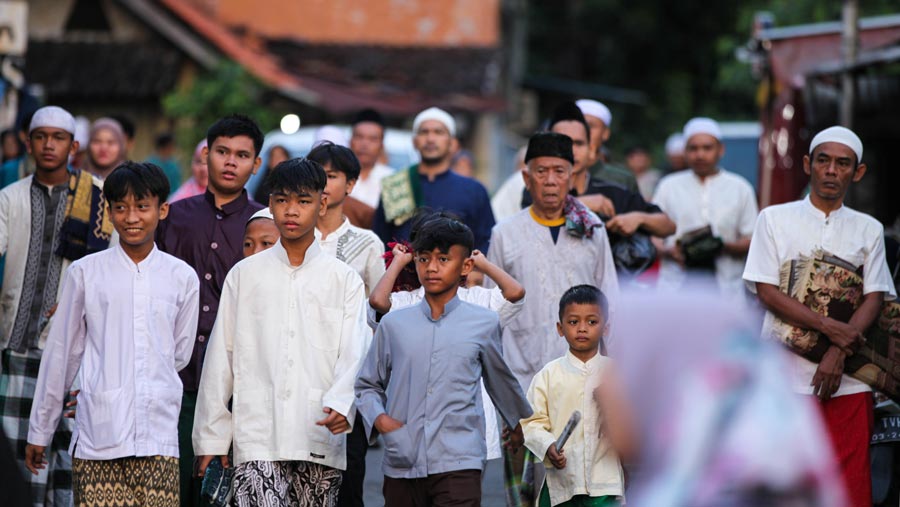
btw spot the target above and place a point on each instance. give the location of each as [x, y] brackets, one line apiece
[277, 483]
[148, 481]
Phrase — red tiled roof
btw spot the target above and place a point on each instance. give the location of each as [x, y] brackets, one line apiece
[343, 79]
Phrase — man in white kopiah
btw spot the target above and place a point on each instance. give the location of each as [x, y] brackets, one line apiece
[821, 221]
[706, 196]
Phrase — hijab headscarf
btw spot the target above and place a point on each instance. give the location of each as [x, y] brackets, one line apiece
[119, 135]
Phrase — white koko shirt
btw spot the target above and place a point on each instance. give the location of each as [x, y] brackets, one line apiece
[358, 247]
[125, 329]
[724, 201]
[288, 342]
[787, 231]
[563, 386]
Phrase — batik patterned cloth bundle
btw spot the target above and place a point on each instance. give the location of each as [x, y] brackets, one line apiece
[833, 287]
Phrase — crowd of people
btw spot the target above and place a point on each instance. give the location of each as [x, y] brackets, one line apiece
[167, 343]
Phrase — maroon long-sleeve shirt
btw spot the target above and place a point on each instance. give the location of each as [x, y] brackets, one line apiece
[211, 240]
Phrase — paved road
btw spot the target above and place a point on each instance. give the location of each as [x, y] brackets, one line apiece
[491, 490]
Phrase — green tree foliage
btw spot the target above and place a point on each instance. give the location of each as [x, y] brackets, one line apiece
[680, 55]
[226, 89]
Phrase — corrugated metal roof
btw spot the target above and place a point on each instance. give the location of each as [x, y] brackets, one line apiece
[831, 27]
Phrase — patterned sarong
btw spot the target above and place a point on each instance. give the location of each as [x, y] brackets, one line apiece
[833, 287]
[277, 483]
[53, 485]
[149, 481]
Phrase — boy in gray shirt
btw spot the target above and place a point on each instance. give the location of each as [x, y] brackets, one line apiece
[430, 415]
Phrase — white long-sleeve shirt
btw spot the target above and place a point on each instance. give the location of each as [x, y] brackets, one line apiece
[358, 247]
[129, 328]
[288, 342]
[559, 389]
[15, 230]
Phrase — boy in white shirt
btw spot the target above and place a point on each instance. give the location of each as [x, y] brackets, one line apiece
[586, 472]
[358, 247]
[125, 325]
[361, 249]
[286, 347]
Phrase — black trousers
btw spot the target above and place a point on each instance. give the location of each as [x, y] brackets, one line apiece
[351, 494]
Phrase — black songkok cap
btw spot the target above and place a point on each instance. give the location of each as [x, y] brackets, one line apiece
[550, 144]
[568, 111]
[368, 115]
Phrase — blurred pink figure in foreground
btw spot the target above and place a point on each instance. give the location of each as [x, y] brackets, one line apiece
[705, 409]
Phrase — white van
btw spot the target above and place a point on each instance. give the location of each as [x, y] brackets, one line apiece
[398, 145]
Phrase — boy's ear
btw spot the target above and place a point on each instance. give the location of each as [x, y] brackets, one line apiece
[350, 185]
[559, 328]
[467, 266]
[163, 210]
[323, 205]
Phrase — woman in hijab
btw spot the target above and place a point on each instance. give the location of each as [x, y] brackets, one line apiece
[106, 147]
[704, 408]
[196, 185]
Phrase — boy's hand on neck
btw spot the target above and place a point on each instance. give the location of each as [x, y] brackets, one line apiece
[402, 255]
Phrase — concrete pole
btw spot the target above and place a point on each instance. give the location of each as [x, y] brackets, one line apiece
[849, 50]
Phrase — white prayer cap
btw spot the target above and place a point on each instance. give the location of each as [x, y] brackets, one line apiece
[332, 134]
[82, 132]
[675, 144]
[596, 109]
[437, 114]
[53, 117]
[706, 126]
[840, 135]
[263, 213]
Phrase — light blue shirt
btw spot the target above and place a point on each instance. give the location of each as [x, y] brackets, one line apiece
[424, 372]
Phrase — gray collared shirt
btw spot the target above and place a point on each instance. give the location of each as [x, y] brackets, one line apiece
[424, 372]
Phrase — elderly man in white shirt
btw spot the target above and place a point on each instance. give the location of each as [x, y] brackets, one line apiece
[706, 196]
[288, 342]
[821, 222]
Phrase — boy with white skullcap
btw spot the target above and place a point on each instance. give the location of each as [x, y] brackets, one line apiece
[817, 225]
[714, 211]
[43, 228]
